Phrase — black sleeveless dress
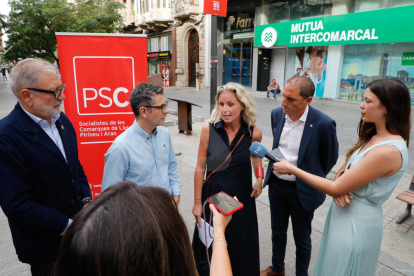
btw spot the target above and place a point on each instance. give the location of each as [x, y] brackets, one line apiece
[235, 179]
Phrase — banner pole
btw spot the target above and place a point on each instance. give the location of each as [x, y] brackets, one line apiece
[213, 70]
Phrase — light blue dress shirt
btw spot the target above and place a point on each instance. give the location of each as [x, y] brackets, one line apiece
[146, 160]
[51, 130]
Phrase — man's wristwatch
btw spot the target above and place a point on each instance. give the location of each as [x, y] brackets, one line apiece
[86, 201]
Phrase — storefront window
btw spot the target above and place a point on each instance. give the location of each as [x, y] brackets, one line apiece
[366, 63]
[158, 54]
[153, 66]
[237, 62]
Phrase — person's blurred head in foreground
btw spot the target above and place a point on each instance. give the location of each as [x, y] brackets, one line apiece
[127, 230]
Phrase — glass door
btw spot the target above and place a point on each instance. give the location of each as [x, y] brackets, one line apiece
[246, 64]
[237, 63]
[235, 72]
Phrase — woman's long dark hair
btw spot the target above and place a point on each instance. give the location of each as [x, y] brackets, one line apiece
[128, 230]
[395, 97]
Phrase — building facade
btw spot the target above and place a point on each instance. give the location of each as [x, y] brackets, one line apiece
[176, 38]
[345, 44]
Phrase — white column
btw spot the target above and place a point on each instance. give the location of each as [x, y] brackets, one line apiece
[334, 71]
[335, 56]
[207, 48]
[254, 74]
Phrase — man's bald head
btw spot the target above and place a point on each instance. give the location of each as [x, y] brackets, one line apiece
[305, 84]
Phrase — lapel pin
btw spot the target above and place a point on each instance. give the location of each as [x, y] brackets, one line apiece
[63, 127]
[310, 125]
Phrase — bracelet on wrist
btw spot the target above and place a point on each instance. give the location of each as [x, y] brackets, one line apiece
[219, 239]
[259, 172]
[197, 199]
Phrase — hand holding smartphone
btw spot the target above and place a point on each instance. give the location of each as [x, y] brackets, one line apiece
[225, 203]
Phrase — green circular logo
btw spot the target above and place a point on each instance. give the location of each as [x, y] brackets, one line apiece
[269, 37]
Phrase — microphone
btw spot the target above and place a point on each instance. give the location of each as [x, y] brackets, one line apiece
[261, 151]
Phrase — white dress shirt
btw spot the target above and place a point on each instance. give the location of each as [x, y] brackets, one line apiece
[289, 142]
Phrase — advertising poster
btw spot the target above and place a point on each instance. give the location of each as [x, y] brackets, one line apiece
[366, 63]
[315, 58]
[100, 71]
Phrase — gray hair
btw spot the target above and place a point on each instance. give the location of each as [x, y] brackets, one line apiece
[143, 95]
[26, 74]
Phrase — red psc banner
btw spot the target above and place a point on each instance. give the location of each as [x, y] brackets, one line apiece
[100, 71]
[215, 7]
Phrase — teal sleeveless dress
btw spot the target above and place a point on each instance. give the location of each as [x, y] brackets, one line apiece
[351, 241]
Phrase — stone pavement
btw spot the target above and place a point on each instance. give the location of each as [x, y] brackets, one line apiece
[397, 251]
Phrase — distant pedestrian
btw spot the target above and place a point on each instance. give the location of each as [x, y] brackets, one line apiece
[43, 185]
[274, 88]
[144, 153]
[297, 74]
[3, 72]
[306, 73]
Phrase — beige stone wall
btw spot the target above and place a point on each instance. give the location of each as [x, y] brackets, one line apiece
[183, 33]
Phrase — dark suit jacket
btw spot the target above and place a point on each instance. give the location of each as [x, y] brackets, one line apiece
[39, 190]
[318, 152]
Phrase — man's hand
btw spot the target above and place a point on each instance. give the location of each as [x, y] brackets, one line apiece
[177, 199]
[343, 200]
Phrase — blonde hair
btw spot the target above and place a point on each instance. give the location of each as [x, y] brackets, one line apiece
[248, 115]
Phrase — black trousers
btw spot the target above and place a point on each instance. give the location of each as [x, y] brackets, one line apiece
[285, 203]
[46, 269]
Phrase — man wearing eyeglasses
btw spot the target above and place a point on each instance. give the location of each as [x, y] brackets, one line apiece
[144, 153]
[42, 184]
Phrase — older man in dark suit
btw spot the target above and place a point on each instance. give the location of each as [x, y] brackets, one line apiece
[307, 138]
[42, 183]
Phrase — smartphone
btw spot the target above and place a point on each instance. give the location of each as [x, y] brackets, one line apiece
[276, 153]
[225, 203]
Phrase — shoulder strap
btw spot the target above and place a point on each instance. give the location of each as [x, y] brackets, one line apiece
[224, 162]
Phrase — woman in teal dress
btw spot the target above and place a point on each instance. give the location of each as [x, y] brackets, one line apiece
[352, 237]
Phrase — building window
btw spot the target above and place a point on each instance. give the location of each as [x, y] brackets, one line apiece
[143, 6]
[164, 43]
[279, 11]
[369, 5]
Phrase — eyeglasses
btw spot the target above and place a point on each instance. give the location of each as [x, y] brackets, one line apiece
[163, 107]
[56, 92]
